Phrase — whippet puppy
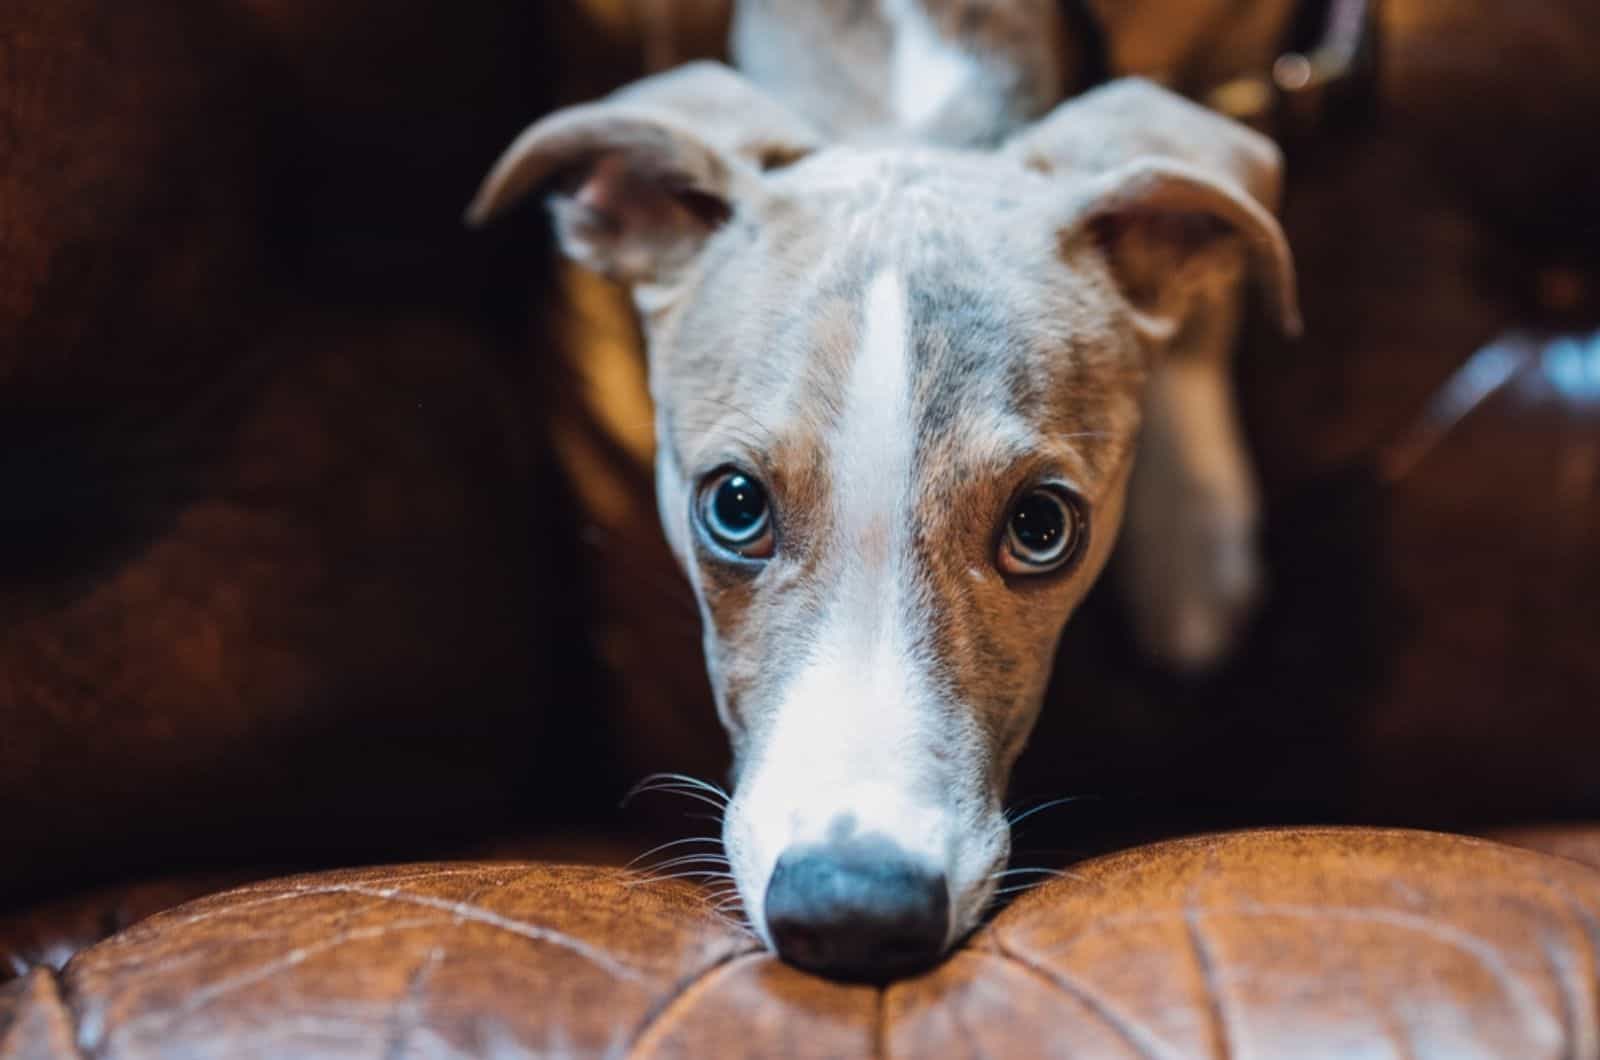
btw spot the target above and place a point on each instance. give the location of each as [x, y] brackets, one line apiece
[900, 361]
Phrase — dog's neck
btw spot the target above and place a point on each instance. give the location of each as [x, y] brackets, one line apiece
[932, 71]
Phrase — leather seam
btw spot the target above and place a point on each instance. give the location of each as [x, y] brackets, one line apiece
[406, 1022]
[60, 997]
[1064, 984]
[880, 1030]
[67, 996]
[464, 911]
[662, 1010]
[1582, 1026]
[1221, 1036]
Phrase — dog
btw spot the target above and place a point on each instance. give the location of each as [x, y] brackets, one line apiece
[908, 343]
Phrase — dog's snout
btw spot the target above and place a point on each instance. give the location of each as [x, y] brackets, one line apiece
[856, 910]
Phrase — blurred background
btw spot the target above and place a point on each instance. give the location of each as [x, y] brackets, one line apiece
[327, 530]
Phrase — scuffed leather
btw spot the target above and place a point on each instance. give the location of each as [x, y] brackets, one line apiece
[50, 933]
[1293, 942]
[1577, 840]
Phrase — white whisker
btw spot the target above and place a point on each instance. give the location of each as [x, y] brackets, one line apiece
[1036, 872]
[673, 843]
[691, 859]
[687, 793]
[684, 876]
[1043, 806]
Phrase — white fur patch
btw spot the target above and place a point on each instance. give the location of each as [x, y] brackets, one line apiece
[928, 71]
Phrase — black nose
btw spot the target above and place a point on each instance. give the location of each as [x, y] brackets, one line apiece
[856, 910]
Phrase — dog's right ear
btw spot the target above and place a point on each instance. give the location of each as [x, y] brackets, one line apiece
[638, 181]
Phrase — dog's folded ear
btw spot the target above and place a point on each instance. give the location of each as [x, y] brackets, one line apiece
[639, 180]
[1156, 179]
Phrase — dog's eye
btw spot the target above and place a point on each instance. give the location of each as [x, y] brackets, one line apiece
[734, 509]
[1044, 532]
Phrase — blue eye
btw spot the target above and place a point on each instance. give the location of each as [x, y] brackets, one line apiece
[735, 511]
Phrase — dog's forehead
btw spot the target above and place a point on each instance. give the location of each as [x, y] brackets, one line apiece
[917, 201]
[1001, 333]
[974, 240]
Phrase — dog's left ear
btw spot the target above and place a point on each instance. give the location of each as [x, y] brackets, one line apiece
[1156, 180]
[638, 181]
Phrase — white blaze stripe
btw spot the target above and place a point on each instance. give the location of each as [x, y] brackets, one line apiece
[849, 736]
[861, 665]
[872, 450]
[851, 743]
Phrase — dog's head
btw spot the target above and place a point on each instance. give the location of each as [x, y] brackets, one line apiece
[898, 391]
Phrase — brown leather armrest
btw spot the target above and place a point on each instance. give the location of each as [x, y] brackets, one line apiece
[1271, 943]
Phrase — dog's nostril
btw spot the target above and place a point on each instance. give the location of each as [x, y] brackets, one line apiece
[858, 910]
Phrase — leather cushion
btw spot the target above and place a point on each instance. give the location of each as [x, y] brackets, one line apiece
[1297, 942]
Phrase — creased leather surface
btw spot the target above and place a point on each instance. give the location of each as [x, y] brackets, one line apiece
[1577, 840]
[1295, 942]
[47, 935]
[34, 1020]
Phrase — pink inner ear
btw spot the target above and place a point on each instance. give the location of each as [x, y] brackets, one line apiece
[1153, 254]
[1181, 232]
[711, 210]
[626, 199]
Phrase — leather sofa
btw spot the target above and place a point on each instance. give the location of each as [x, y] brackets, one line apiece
[1295, 942]
[326, 540]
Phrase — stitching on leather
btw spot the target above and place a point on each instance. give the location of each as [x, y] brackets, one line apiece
[405, 1022]
[1221, 1035]
[1140, 1039]
[479, 915]
[1578, 1030]
[1591, 932]
[168, 924]
[278, 893]
[1565, 995]
[1486, 953]
[1583, 1031]
[660, 1013]
[971, 1042]
[880, 1028]
[200, 997]
[28, 989]
[462, 911]
[8, 1007]
[67, 994]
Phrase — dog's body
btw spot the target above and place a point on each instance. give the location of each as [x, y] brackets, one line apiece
[931, 71]
[900, 343]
